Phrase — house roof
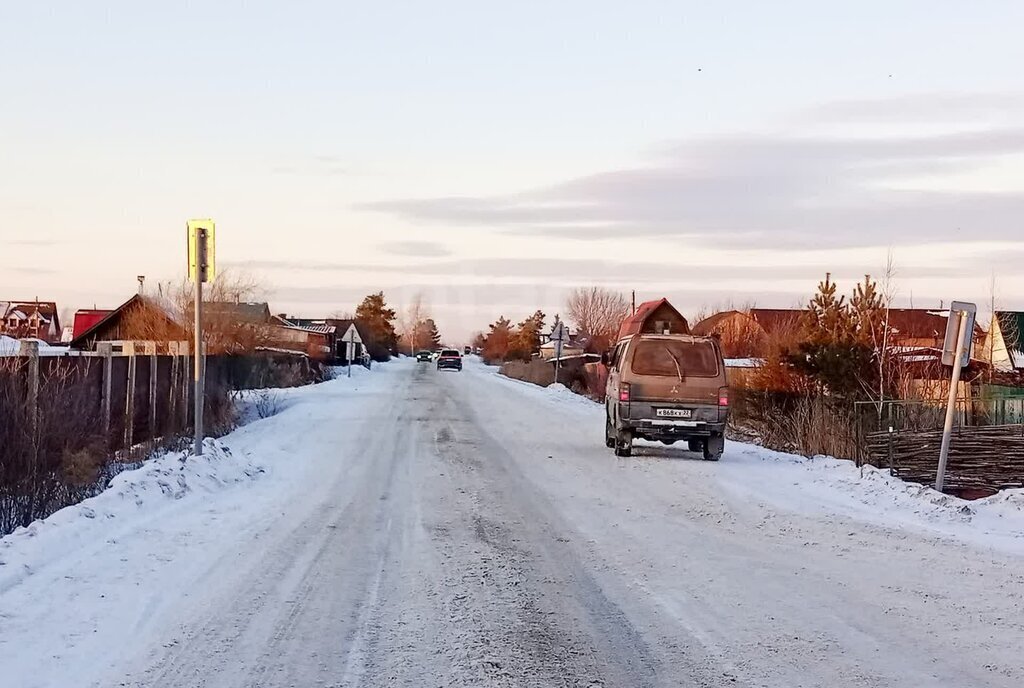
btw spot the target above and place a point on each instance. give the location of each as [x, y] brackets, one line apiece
[635, 323]
[342, 324]
[708, 325]
[1011, 325]
[254, 313]
[921, 323]
[82, 338]
[22, 310]
[774, 319]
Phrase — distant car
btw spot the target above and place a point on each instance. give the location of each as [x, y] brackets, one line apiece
[424, 357]
[450, 359]
[468, 350]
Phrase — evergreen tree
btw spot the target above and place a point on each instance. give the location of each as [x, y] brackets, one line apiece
[830, 353]
[377, 320]
[498, 340]
[526, 340]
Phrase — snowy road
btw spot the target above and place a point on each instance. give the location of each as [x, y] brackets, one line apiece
[446, 529]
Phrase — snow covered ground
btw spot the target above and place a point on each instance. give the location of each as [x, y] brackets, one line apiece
[410, 528]
[828, 486]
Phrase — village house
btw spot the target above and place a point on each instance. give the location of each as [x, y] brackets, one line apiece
[137, 319]
[31, 320]
[914, 331]
[1004, 343]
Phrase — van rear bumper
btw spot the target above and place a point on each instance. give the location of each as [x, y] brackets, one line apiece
[641, 420]
[675, 430]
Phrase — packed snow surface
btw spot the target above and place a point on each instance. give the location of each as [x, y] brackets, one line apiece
[411, 527]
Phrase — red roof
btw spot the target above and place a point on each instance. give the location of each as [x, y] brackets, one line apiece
[634, 324]
[85, 318]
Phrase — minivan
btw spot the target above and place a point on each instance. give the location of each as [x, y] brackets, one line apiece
[667, 388]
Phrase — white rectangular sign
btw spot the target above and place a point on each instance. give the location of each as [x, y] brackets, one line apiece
[969, 311]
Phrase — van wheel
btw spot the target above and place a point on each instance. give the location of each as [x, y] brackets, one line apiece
[713, 448]
[624, 445]
[695, 445]
[609, 433]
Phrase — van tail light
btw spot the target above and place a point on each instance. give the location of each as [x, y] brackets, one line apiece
[723, 396]
[624, 391]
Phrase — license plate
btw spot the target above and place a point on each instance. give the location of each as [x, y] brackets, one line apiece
[675, 413]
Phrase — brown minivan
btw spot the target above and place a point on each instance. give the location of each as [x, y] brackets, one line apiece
[667, 387]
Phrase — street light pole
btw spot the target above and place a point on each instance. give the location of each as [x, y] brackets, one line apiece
[199, 378]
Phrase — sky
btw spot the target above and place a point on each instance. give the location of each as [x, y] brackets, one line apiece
[492, 156]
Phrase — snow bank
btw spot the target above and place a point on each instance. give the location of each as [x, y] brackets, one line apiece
[824, 484]
[12, 347]
[836, 487]
[132, 494]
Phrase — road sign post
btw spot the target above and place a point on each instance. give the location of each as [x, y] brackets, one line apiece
[956, 351]
[351, 347]
[201, 269]
[558, 337]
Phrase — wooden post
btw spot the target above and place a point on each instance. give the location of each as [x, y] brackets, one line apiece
[172, 391]
[31, 350]
[106, 349]
[129, 401]
[150, 348]
[185, 386]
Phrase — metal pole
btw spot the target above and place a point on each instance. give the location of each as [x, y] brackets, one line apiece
[200, 367]
[351, 347]
[954, 384]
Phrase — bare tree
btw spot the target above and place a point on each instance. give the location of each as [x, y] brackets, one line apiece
[598, 312]
[167, 315]
[411, 320]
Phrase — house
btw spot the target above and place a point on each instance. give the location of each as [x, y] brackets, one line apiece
[313, 341]
[137, 319]
[351, 340]
[31, 320]
[654, 317]
[1003, 346]
[744, 333]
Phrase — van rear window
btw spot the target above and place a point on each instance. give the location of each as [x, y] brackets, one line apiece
[672, 357]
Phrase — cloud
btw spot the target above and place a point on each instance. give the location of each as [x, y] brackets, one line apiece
[922, 107]
[318, 165]
[774, 266]
[424, 249]
[793, 190]
[30, 242]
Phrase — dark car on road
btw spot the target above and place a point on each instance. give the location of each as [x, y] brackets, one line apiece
[450, 359]
[424, 357]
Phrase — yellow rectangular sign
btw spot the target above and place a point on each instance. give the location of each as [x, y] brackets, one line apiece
[202, 253]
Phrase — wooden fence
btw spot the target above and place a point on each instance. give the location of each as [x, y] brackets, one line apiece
[982, 459]
[986, 453]
[68, 422]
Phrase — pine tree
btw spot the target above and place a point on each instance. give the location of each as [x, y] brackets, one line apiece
[497, 341]
[377, 320]
[526, 339]
[830, 354]
[867, 312]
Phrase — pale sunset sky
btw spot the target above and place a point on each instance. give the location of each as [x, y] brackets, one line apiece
[494, 155]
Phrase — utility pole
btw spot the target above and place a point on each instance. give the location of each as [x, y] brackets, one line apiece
[201, 269]
[634, 302]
